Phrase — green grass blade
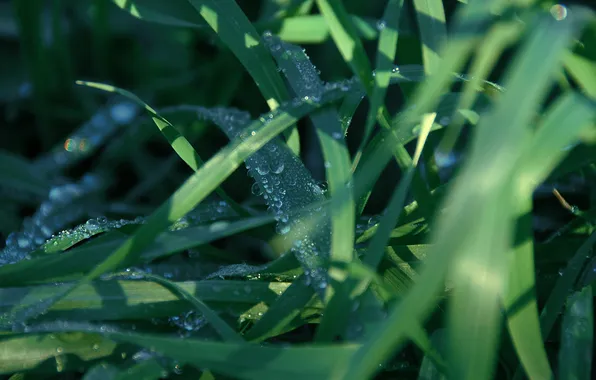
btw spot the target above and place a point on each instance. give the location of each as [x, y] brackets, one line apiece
[75, 262]
[498, 38]
[428, 369]
[556, 300]
[173, 13]
[250, 361]
[303, 78]
[287, 307]
[140, 300]
[386, 49]
[179, 143]
[433, 32]
[236, 31]
[288, 188]
[583, 71]
[223, 329]
[543, 154]
[26, 352]
[347, 41]
[577, 337]
[149, 369]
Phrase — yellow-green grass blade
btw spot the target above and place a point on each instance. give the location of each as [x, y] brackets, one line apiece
[577, 337]
[542, 155]
[499, 37]
[142, 300]
[179, 143]
[433, 32]
[279, 315]
[26, 352]
[239, 360]
[417, 303]
[223, 329]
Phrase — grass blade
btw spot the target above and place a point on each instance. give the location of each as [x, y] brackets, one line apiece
[236, 31]
[577, 337]
[433, 32]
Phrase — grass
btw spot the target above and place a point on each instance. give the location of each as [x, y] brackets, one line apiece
[412, 196]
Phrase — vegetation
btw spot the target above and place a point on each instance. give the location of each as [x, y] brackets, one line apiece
[334, 190]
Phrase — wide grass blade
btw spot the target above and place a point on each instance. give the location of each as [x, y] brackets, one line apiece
[240, 360]
[305, 82]
[542, 155]
[577, 337]
[433, 31]
[141, 300]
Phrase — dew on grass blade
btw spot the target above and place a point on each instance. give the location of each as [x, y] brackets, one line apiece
[63, 206]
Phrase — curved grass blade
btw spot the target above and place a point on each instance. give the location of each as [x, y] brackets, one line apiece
[575, 355]
[179, 143]
[542, 155]
[433, 32]
[223, 329]
[75, 262]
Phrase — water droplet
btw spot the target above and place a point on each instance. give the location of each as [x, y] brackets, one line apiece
[264, 168]
[278, 167]
[327, 164]
[338, 135]
[445, 120]
[256, 189]
[381, 24]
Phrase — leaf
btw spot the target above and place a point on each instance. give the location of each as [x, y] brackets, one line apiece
[577, 337]
[173, 13]
[433, 31]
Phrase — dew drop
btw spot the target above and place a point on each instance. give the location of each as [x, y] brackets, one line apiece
[278, 167]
